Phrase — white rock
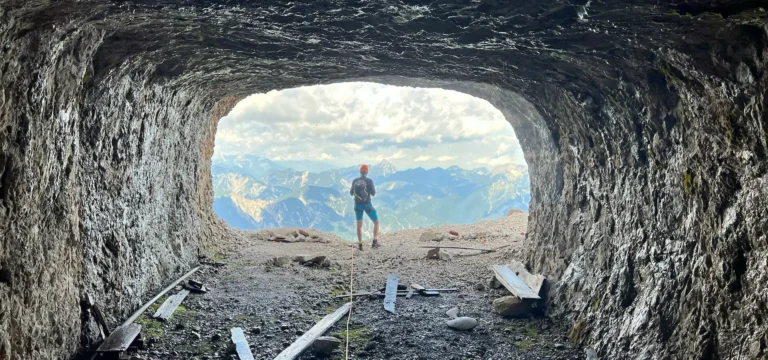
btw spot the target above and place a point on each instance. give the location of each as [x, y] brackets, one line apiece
[453, 313]
[462, 323]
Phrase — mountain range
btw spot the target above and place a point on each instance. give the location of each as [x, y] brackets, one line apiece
[252, 192]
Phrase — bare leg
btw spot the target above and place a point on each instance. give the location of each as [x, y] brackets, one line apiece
[360, 231]
[376, 230]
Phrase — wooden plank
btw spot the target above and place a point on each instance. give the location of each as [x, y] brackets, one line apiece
[316, 331]
[120, 339]
[390, 295]
[513, 283]
[165, 310]
[242, 349]
[399, 293]
[418, 287]
[534, 281]
[409, 294]
[104, 328]
[152, 301]
[456, 247]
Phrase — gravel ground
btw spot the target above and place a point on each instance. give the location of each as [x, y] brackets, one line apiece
[275, 305]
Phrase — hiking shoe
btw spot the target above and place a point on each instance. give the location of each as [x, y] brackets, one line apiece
[360, 246]
[375, 244]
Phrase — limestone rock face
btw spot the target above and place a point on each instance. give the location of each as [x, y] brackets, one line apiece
[643, 124]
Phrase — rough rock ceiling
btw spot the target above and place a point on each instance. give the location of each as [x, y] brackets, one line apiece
[643, 122]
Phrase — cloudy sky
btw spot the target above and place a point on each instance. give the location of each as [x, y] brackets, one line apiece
[352, 123]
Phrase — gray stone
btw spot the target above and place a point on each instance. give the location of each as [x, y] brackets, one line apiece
[453, 313]
[195, 335]
[428, 236]
[325, 345]
[439, 254]
[300, 259]
[511, 306]
[462, 323]
[280, 261]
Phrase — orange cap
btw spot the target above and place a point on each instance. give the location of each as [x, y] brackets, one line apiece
[364, 168]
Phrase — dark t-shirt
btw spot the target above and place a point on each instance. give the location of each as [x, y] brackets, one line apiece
[369, 188]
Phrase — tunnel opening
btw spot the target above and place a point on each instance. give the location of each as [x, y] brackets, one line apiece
[286, 159]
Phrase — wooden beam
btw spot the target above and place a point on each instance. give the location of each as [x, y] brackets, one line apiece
[120, 339]
[513, 283]
[170, 305]
[390, 295]
[456, 247]
[242, 349]
[316, 331]
[158, 296]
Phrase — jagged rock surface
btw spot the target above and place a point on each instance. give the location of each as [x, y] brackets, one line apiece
[644, 127]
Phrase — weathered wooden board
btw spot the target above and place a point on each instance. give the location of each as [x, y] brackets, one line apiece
[165, 310]
[242, 349]
[409, 294]
[513, 283]
[390, 295]
[418, 287]
[120, 339]
[534, 281]
[316, 331]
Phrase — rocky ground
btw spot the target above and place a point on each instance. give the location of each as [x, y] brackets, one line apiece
[276, 304]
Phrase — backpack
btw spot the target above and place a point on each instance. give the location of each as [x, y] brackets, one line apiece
[360, 188]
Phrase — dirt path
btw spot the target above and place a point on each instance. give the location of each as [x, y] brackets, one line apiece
[275, 305]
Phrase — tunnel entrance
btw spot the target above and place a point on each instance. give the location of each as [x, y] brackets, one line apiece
[285, 159]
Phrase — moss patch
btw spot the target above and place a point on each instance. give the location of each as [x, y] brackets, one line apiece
[578, 332]
[666, 70]
[688, 182]
[150, 328]
[525, 344]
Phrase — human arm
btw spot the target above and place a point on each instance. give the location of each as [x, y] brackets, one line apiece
[373, 188]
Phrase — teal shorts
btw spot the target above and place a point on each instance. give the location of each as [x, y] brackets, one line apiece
[368, 209]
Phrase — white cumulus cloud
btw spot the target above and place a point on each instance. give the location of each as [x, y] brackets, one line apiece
[351, 123]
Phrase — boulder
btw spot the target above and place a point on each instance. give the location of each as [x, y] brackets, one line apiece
[439, 254]
[325, 345]
[511, 306]
[318, 259]
[462, 323]
[280, 261]
[304, 233]
[300, 259]
[428, 236]
[301, 238]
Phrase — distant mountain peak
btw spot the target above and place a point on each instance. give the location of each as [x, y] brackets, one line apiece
[385, 168]
[511, 171]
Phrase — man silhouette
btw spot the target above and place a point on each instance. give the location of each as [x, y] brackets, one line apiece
[362, 189]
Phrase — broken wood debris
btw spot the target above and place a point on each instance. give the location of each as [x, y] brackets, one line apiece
[170, 305]
[213, 263]
[295, 349]
[240, 345]
[100, 321]
[536, 282]
[195, 287]
[158, 296]
[120, 339]
[390, 294]
[428, 292]
[514, 284]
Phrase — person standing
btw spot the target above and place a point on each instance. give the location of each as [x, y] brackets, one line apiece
[363, 190]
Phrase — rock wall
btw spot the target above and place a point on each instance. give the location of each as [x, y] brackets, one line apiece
[643, 123]
[103, 187]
